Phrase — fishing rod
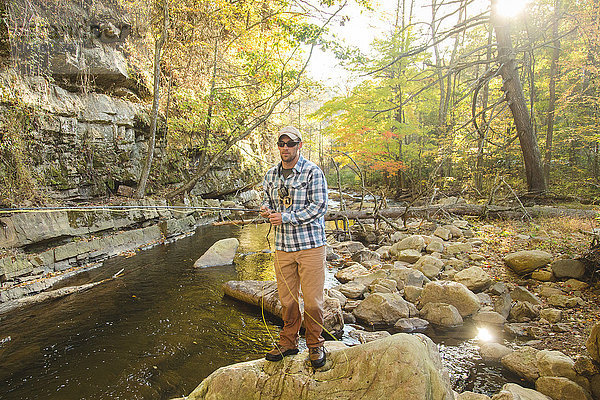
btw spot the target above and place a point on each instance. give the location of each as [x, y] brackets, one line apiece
[122, 208]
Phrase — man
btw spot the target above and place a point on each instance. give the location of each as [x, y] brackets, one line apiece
[296, 204]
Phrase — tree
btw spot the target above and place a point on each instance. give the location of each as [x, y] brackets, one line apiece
[160, 42]
[516, 101]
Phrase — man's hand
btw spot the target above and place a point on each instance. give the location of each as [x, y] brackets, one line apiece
[275, 219]
[265, 211]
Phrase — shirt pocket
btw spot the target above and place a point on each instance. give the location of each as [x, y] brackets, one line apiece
[299, 193]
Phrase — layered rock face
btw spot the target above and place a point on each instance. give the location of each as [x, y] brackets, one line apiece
[88, 107]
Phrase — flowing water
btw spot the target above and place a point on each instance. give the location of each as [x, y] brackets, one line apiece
[161, 327]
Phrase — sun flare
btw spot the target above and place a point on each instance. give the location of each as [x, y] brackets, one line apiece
[511, 8]
[484, 335]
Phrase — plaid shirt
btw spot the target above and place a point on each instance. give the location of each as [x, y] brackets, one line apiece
[304, 220]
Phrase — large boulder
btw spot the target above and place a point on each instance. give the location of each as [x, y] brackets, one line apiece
[474, 278]
[523, 362]
[593, 343]
[520, 293]
[400, 367]
[382, 309]
[493, 352]
[264, 294]
[457, 294]
[408, 276]
[429, 266]
[561, 388]
[352, 290]
[555, 363]
[568, 268]
[526, 261]
[441, 314]
[415, 242]
[220, 253]
[349, 273]
[512, 391]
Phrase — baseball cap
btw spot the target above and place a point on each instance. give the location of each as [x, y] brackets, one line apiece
[290, 132]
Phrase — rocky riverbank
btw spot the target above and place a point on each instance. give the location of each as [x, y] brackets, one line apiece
[451, 274]
[39, 249]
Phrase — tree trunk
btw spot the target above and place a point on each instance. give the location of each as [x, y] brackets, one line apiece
[552, 92]
[141, 189]
[516, 102]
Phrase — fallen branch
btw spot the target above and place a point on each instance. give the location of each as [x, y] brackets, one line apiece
[50, 295]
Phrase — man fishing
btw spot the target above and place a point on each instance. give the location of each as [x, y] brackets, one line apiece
[296, 192]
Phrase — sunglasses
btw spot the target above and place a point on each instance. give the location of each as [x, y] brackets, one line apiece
[288, 144]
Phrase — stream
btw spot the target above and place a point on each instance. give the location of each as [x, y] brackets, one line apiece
[161, 327]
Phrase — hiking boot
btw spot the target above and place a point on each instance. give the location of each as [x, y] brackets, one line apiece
[278, 352]
[317, 356]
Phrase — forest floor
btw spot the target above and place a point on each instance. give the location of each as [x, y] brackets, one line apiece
[568, 237]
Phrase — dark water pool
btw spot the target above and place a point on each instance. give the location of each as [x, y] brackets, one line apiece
[160, 328]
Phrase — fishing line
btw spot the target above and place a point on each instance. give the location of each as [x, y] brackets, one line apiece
[121, 208]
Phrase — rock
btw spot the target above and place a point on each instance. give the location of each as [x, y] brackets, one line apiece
[543, 275]
[585, 366]
[371, 277]
[503, 305]
[435, 246]
[348, 247]
[412, 293]
[455, 231]
[489, 318]
[382, 309]
[523, 311]
[477, 257]
[456, 248]
[406, 367]
[384, 252]
[415, 242]
[441, 314]
[551, 315]
[574, 284]
[429, 266]
[520, 293]
[398, 236]
[352, 290]
[336, 294]
[366, 337]
[516, 329]
[442, 233]
[560, 388]
[408, 276]
[548, 291]
[411, 324]
[454, 263]
[264, 294]
[526, 261]
[593, 343]
[471, 396]
[555, 363]
[349, 273]
[485, 299]
[568, 268]
[410, 256]
[351, 305]
[493, 352]
[559, 300]
[365, 255]
[523, 362]
[331, 256]
[512, 391]
[454, 293]
[498, 288]
[349, 318]
[220, 253]
[382, 285]
[474, 278]
[595, 384]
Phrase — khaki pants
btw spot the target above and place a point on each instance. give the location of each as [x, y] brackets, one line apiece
[306, 269]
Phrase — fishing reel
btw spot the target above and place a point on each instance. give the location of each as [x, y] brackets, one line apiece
[284, 196]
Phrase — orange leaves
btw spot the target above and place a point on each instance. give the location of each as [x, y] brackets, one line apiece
[390, 166]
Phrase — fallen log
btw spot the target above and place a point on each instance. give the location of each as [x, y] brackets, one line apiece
[264, 293]
[492, 212]
[464, 209]
[50, 295]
